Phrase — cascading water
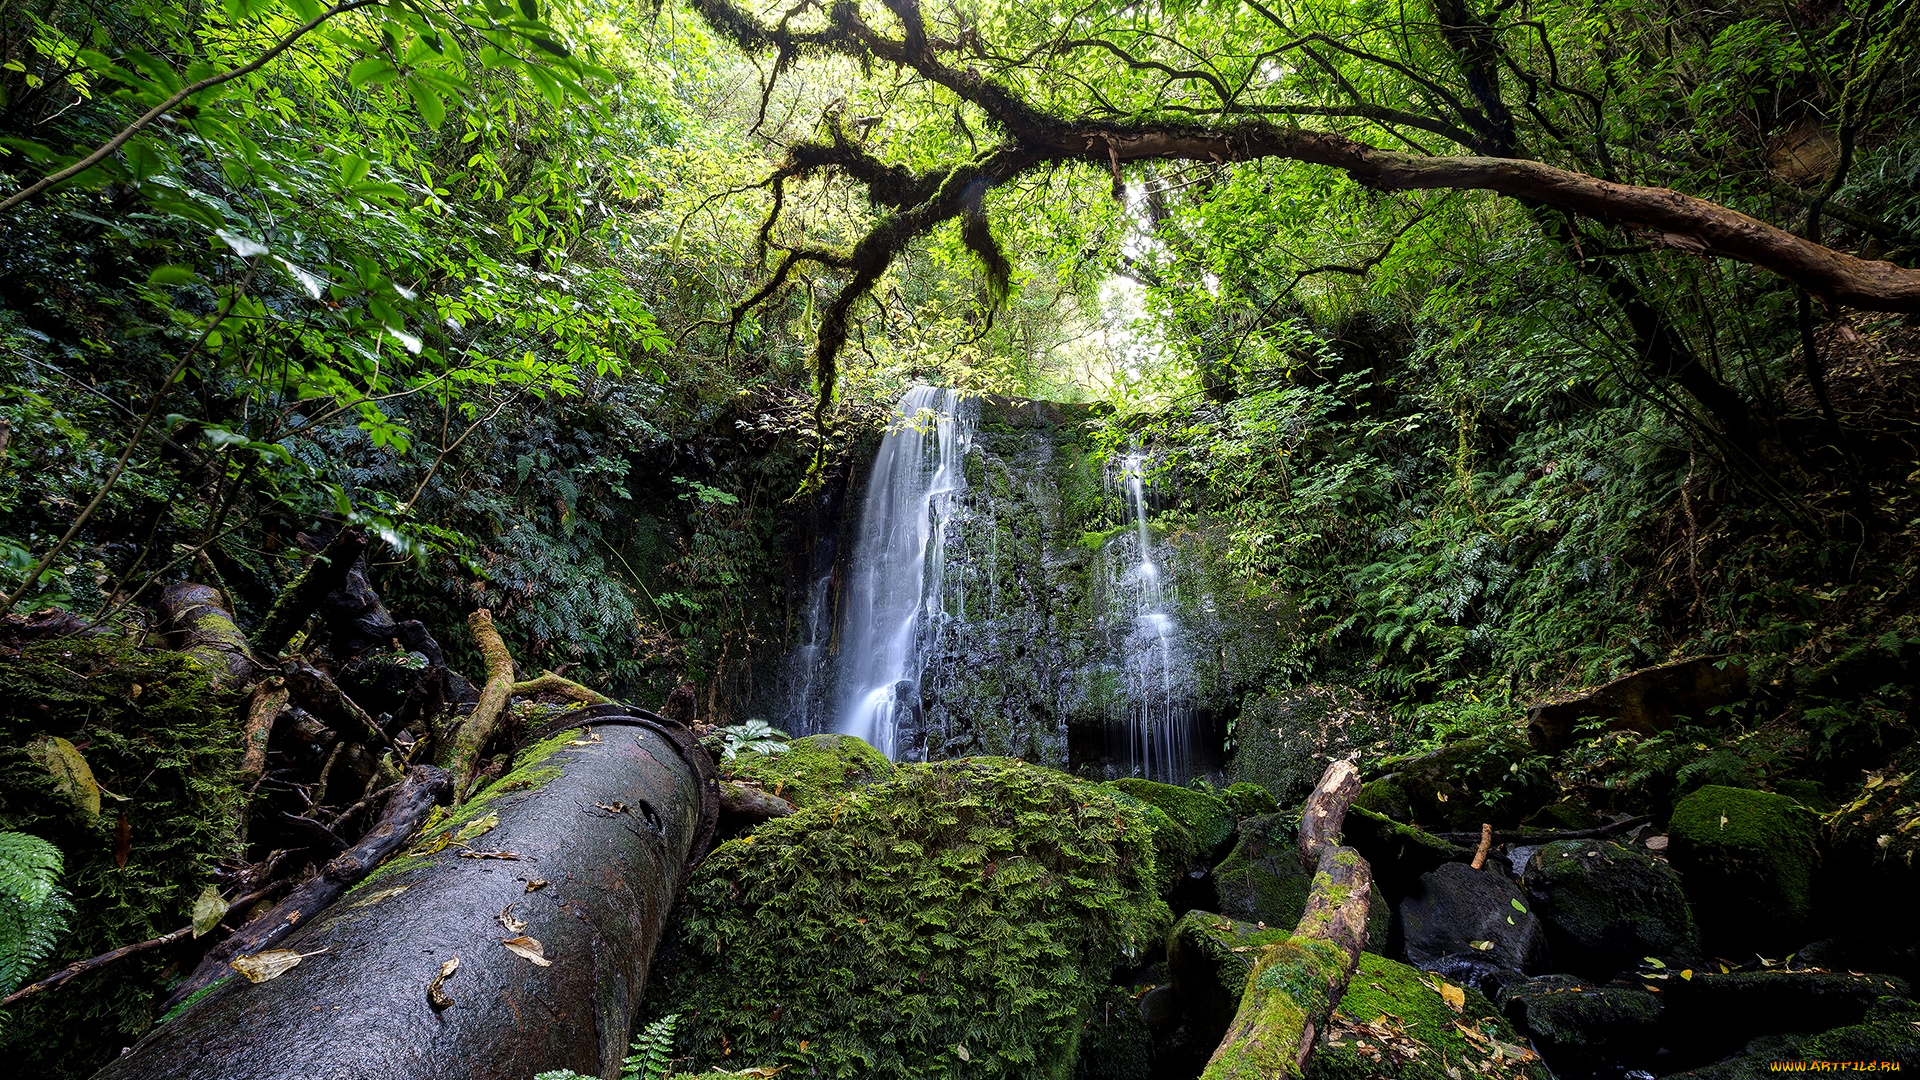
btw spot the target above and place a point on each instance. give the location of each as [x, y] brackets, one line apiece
[894, 602]
[1155, 662]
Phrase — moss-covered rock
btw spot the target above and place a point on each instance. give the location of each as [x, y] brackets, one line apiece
[1606, 906]
[980, 903]
[1398, 853]
[1209, 958]
[1248, 800]
[1206, 816]
[1393, 1022]
[1175, 851]
[813, 769]
[1285, 738]
[1890, 1032]
[1748, 859]
[1464, 784]
[1583, 1030]
[1262, 881]
[1565, 814]
[1713, 1014]
[161, 743]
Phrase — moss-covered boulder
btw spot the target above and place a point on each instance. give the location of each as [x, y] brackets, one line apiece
[1888, 1032]
[958, 919]
[1398, 853]
[1461, 785]
[1262, 881]
[1285, 738]
[1396, 1022]
[139, 836]
[1583, 1030]
[1713, 1014]
[813, 769]
[1115, 1042]
[1209, 957]
[1204, 815]
[1606, 906]
[1747, 859]
[1175, 852]
[1247, 800]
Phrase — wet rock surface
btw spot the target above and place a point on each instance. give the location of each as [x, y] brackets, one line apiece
[1606, 906]
[1748, 859]
[1459, 911]
[1584, 1030]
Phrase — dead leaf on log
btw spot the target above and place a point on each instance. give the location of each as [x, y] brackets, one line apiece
[510, 856]
[376, 897]
[613, 807]
[122, 841]
[435, 996]
[527, 947]
[536, 883]
[513, 925]
[208, 910]
[267, 966]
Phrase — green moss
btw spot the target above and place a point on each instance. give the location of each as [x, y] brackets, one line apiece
[1393, 1022]
[1606, 905]
[1384, 796]
[1206, 816]
[1249, 799]
[1174, 848]
[158, 736]
[1748, 860]
[812, 770]
[1289, 988]
[980, 903]
[1285, 738]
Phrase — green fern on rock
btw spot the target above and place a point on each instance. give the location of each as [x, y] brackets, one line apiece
[33, 910]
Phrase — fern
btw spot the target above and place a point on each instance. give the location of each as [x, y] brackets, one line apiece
[33, 910]
[652, 1056]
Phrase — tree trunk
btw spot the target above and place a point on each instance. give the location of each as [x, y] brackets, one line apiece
[199, 624]
[1296, 983]
[580, 870]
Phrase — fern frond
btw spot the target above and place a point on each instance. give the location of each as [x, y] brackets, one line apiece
[33, 910]
[652, 1057]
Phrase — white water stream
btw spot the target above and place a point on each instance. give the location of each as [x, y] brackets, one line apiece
[1155, 662]
[894, 592]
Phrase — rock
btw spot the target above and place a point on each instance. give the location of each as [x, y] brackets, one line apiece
[1458, 910]
[1888, 1032]
[1583, 1030]
[814, 769]
[1646, 701]
[1714, 1014]
[1398, 853]
[1565, 814]
[1393, 1022]
[1204, 815]
[1262, 881]
[1606, 906]
[1747, 859]
[1160, 1008]
[1176, 855]
[1209, 958]
[1286, 738]
[1248, 800]
[1449, 789]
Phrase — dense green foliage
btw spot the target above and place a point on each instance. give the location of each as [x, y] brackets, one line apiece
[33, 910]
[955, 920]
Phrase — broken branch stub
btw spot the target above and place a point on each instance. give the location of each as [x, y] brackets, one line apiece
[607, 825]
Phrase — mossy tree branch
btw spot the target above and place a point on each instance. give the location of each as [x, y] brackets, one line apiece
[481, 724]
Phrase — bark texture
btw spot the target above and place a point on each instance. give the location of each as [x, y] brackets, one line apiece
[296, 602]
[198, 624]
[1296, 983]
[587, 857]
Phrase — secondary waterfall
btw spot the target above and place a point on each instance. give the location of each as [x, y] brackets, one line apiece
[894, 597]
[1155, 662]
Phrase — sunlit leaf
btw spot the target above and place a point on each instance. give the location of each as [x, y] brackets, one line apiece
[208, 910]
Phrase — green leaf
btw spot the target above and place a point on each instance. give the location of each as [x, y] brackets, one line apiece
[70, 772]
[172, 274]
[530, 8]
[428, 101]
[373, 71]
[1518, 906]
[208, 910]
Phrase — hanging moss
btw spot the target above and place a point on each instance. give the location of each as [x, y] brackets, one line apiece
[813, 769]
[959, 919]
[161, 744]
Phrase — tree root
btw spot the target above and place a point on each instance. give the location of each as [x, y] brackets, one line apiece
[485, 718]
[551, 683]
[297, 602]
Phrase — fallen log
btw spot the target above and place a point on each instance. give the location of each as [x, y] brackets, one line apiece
[296, 603]
[513, 937]
[1296, 983]
[198, 624]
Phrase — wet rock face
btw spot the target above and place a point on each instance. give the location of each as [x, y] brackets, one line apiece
[1748, 860]
[1583, 1030]
[1714, 1014]
[1606, 906]
[1459, 911]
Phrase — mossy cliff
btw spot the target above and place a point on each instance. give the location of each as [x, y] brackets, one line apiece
[139, 837]
[957, 919]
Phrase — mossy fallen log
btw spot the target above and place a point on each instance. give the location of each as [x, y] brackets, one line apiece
[549, 888]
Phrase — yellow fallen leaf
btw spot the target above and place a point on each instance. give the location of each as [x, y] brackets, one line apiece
[266, 966]
[529, 948]
[71, 774]
[208, 910]
[1687, 974]
[476, 827]
[375, 897]
[1455, 997]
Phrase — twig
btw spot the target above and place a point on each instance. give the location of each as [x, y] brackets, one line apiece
[1486, 845]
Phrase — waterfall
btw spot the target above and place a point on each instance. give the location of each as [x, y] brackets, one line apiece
[1156, 664]
[896, 582]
